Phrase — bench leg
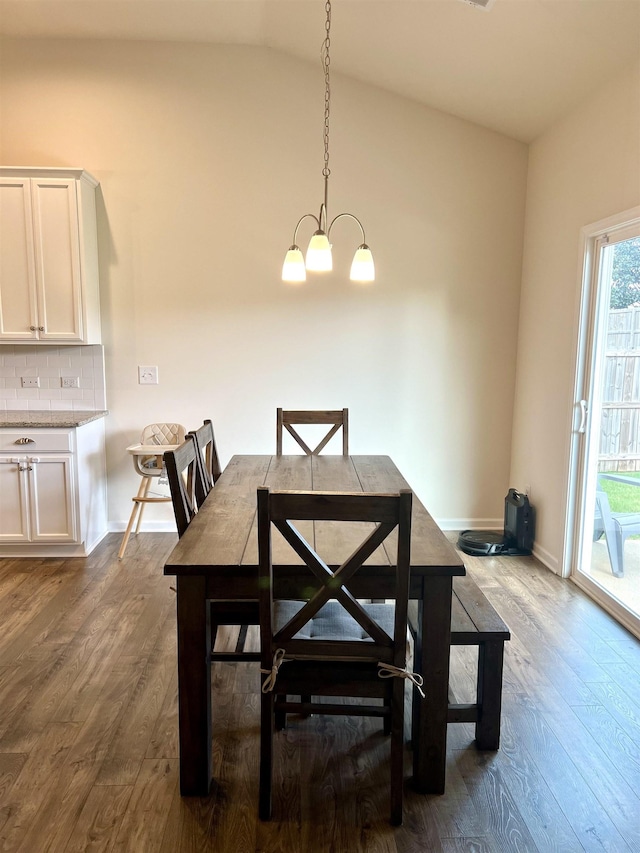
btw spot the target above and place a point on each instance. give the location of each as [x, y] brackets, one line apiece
[490, 661]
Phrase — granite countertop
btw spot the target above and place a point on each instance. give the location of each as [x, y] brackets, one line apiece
[32, 418]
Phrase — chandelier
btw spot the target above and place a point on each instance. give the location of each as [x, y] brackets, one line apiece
[318, 257]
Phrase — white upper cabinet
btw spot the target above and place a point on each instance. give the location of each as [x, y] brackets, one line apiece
[49, 288]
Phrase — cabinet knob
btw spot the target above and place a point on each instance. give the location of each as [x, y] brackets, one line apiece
[41, 328]
[32, 328]
[24, 441]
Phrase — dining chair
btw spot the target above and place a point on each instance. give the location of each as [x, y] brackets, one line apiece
[149, 465]
[288, 418]
[317, 639]
[184, 471]
[207, 459]
[617, 527]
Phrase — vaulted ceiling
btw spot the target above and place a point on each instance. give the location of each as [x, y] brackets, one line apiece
[515, 68]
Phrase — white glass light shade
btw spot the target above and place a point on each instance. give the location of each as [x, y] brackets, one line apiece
[293, 268]
[319, 253]
[362, 267]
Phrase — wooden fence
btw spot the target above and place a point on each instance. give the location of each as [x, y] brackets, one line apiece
[620, 428]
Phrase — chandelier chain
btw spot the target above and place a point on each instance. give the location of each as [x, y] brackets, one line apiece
[326, 62]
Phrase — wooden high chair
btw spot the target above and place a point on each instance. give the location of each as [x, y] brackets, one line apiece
[147, 460]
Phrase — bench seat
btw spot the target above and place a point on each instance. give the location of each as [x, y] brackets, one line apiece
[474, 622]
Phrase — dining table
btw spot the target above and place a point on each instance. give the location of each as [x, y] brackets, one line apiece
[217, 559]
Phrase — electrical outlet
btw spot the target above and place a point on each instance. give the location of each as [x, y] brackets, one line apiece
[30, 381]
[147, 374]
[70, 382]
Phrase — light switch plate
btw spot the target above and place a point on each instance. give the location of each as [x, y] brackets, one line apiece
[147, 374]
[30, 381]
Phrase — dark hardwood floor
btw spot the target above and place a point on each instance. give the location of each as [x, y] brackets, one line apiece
[88, 729]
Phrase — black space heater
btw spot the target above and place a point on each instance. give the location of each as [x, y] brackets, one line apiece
[517, 538]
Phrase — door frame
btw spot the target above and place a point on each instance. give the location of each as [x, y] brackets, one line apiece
[587, 292]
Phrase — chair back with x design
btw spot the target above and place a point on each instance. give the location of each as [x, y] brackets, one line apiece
[317, 638]
[287, 419]
[182, 473]
[208, 464]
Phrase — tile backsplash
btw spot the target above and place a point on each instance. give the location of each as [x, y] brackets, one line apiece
[50, 365]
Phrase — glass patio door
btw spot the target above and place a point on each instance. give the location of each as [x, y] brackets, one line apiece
[606, 560]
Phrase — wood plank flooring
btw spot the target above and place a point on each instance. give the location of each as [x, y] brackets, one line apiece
[88, 729]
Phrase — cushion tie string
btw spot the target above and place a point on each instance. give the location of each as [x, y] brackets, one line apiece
[270, 681]
[387, 670]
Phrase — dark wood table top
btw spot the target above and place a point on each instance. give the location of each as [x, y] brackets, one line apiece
[221, 541]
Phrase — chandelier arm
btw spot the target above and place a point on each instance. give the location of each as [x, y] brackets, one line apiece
[300, 221]
[351, 216]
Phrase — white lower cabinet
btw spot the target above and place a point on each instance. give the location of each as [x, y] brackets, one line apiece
[37, 502]
[52, 491]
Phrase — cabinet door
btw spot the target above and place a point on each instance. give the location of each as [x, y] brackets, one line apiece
[52, 498]
[14, 513]
[18, 320]
[57, 253]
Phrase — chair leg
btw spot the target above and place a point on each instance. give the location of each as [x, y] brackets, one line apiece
[618, 570]
[242, 638]
[280, 716]
[127, 533]
[306, 698]
[397, 751]
[214, 634]
[266, 755]
[145, 491]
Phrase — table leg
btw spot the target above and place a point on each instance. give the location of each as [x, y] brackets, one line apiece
[429, 735]
[194, 686]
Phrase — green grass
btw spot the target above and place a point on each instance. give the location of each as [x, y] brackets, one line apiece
[622, 496]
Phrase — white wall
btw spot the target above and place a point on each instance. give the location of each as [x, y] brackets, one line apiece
[207, 156]
[584, 169]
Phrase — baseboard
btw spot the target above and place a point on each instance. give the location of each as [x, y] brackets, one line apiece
[147, 527]
[95, 542]
[546, 559]
[42, 550]
[470, 523]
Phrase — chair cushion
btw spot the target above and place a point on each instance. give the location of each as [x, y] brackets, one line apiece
[332, 622]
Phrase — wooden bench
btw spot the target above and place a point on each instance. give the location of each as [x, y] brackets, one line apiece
[474, 622]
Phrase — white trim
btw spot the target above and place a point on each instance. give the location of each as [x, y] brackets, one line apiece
[608, 603]
[589, 235]
[54, 171]
[591, 238]
[30, 550]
